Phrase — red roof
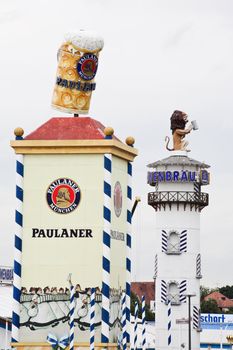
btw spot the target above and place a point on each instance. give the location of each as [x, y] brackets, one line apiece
[69, 128]
[144, 288]
[222, 301]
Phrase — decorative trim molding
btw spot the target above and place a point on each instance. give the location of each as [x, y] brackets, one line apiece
[196, 319]
[183, 241]
[111, 146]
[156, 267]
[183, 287]
[198, 266]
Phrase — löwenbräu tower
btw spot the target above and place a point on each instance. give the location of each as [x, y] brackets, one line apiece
[178, 201]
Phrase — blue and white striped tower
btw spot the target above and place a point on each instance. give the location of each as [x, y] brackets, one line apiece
[143, 322]
[135, 326]
[92, 320]
[169, 323]
[18, 240]
[72, 307]
[106, 243]
[123, 322]
[128, 248]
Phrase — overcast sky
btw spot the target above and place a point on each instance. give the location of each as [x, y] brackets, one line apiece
[158, 56]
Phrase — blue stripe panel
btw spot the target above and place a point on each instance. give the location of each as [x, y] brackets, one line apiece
[129, 216]
[106, 264]
[128, 240]
[169, 312]
[19, 193]
[224, 326]
[129, 192]
[169, 340]
[15, 319]
[105, 289]
[18, 243]
[105, 315]
[127, 312]
[107, 189]
[107, 214]
[19, 168]
[128, 264]
[107, 164]
[215, 346]
[16, 293]
[129, 168]
[19, 218]
[169, 325]
[17, 268]
[128, 288]
[104, 339]
[106, 239]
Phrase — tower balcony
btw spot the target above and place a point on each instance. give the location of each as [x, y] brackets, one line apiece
[159, 200]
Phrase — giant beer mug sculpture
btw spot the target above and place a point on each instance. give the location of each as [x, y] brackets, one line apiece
[77, 66]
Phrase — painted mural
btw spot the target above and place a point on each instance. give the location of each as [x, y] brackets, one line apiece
[47, 309]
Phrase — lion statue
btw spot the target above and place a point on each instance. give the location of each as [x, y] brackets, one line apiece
[178, 122]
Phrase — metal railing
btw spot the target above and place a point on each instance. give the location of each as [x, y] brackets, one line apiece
[194, 199]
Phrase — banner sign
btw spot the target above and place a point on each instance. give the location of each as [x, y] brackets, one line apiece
[178, 176]
[217, 321]
[6, 274]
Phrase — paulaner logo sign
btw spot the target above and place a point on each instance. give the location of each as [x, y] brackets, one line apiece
[63, 196]
[87, 66]
[61, 233]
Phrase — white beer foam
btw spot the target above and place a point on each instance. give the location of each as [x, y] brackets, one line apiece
[85, 40]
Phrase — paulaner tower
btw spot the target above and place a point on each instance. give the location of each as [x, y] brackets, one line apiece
[72, 261]
[178, 201]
